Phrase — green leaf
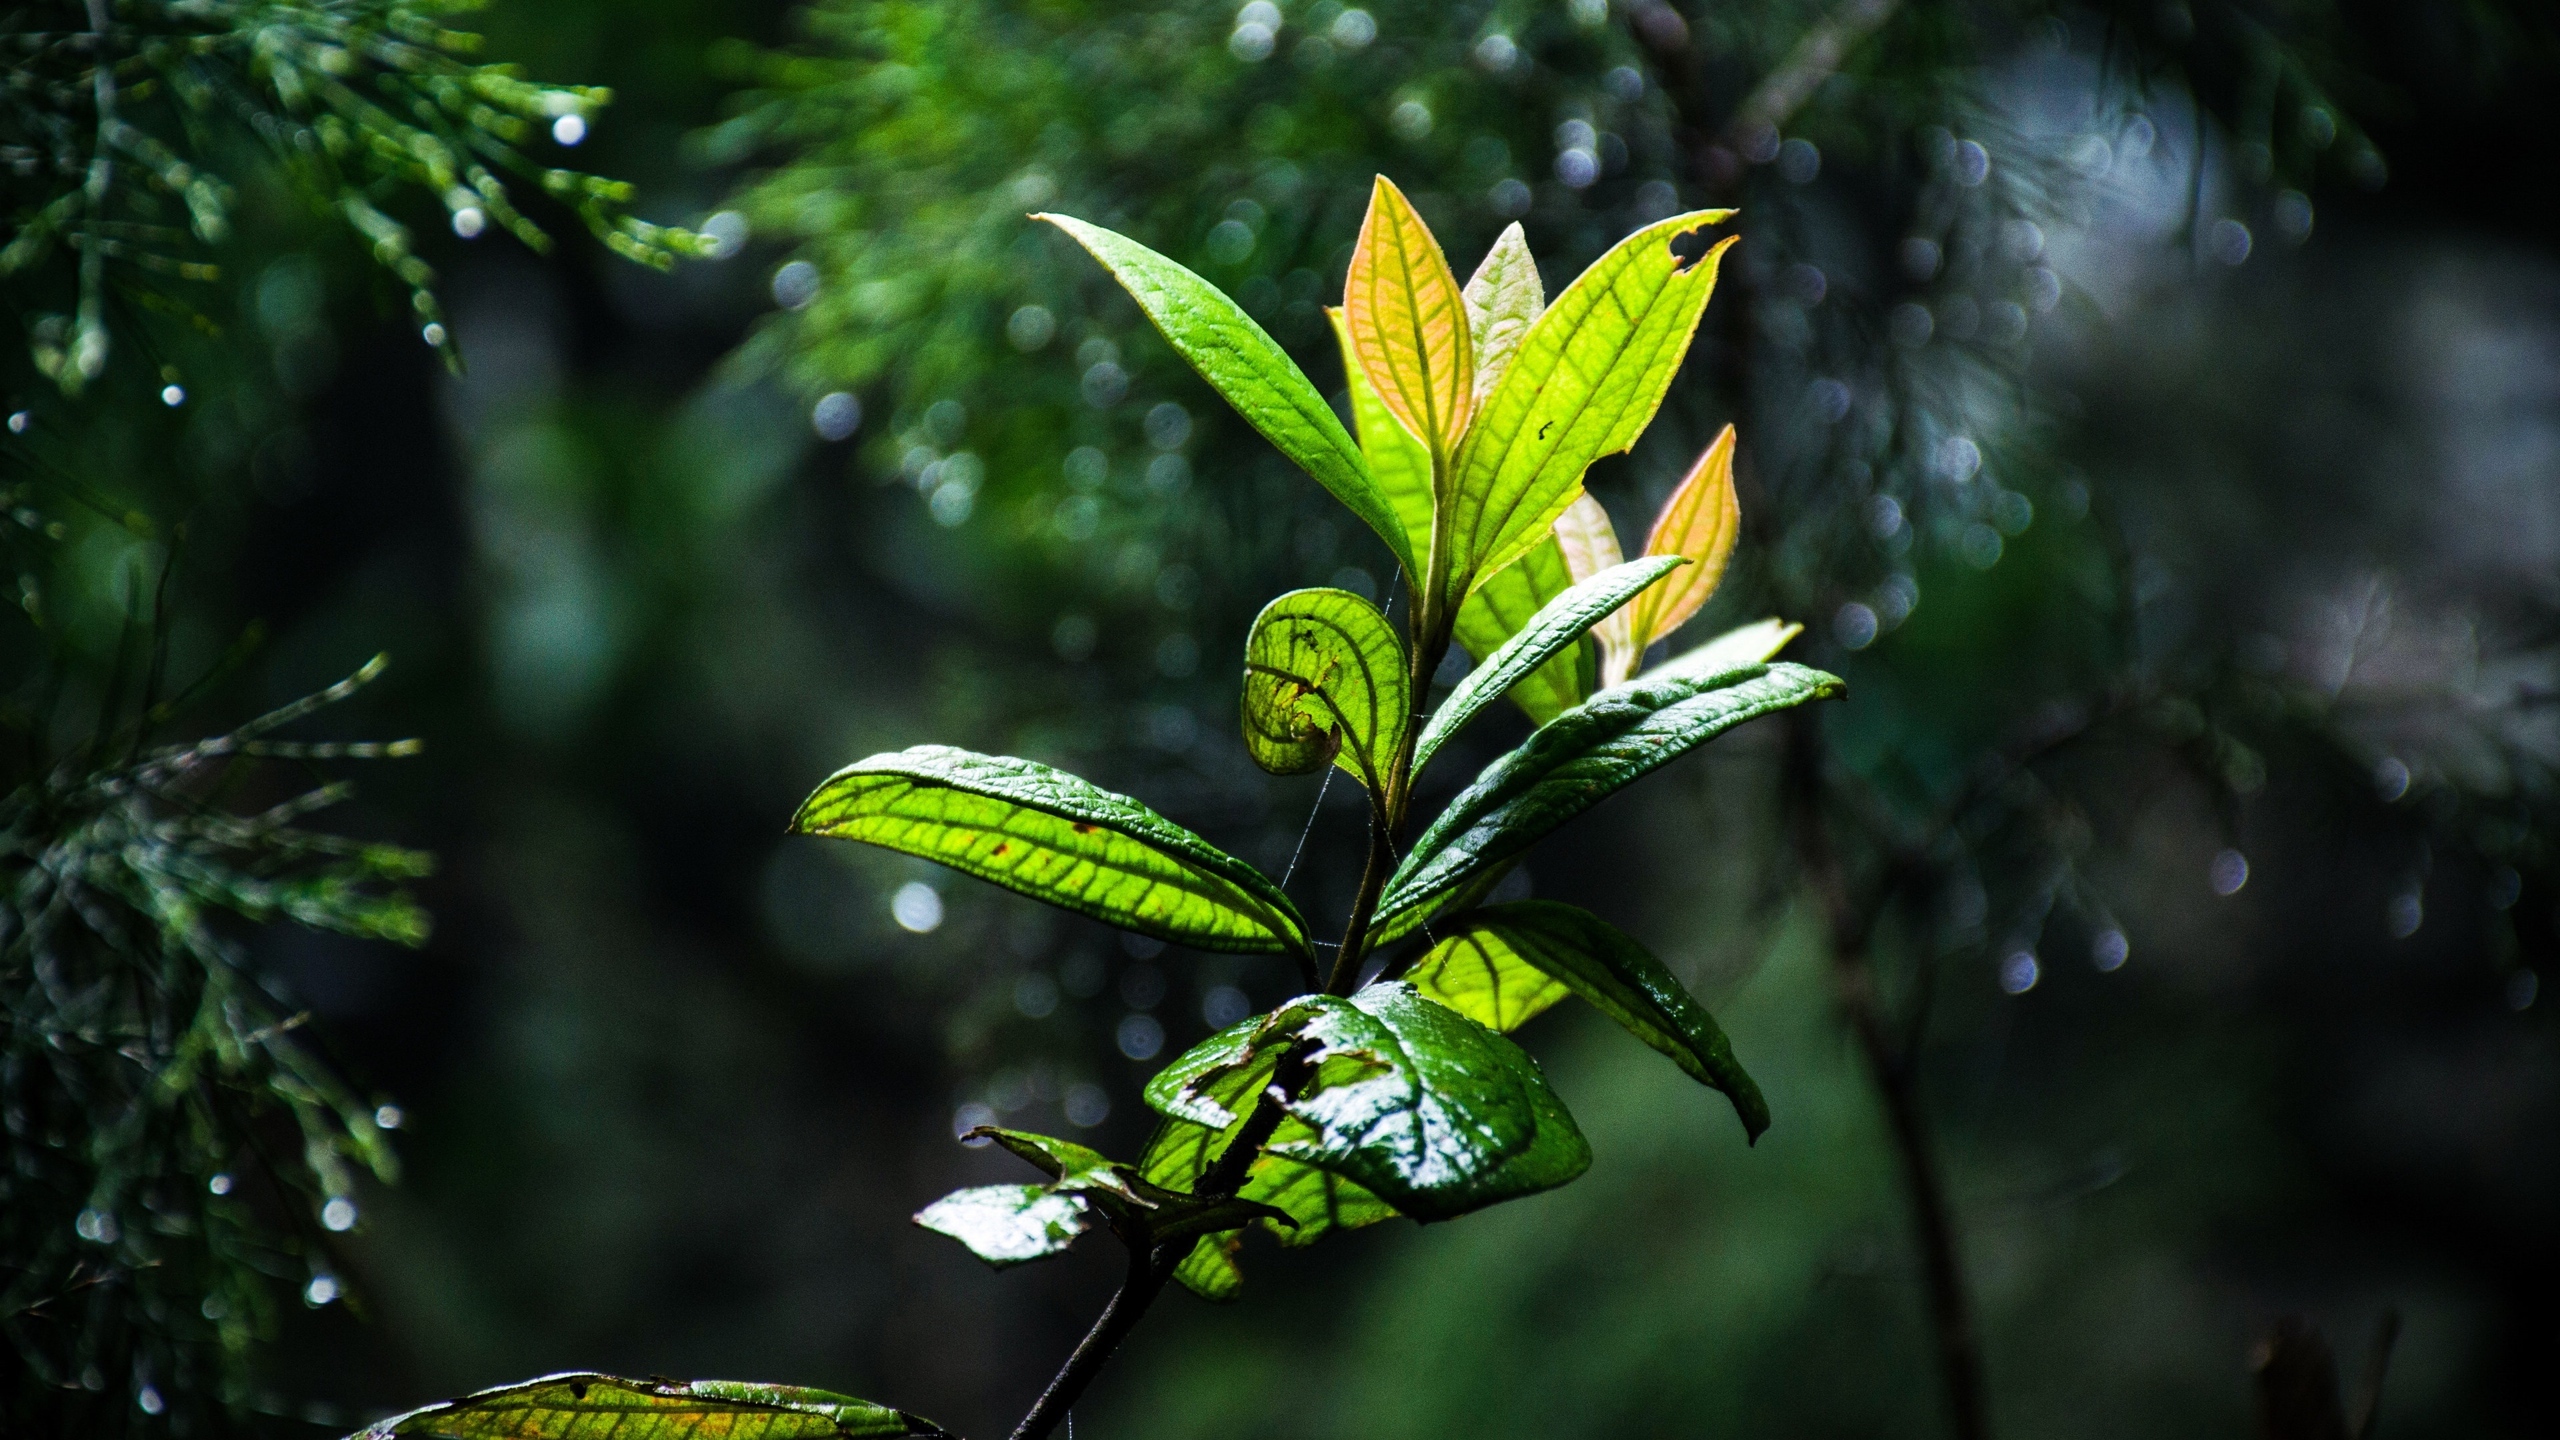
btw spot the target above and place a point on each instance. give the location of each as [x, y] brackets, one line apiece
[581, 1406]
[1244, 364]
[1502, 606]
[1501, 965]
[1072, 1169]
[1743, 645]
[1590, 544]
[1138, 1205]
[1210, 1270]
[1558, 623]
[1046, 834]
[1504, 298]
[1400, 463]
[1325, 680]
[1315, 1203]
[1009, 1224]
[1585, 382]
[1580, 758]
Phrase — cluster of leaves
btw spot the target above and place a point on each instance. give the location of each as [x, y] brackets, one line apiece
[1387, 1088]
[170, 1148]
[124, 128]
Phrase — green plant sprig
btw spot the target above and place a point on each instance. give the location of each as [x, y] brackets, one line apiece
[1478, 408]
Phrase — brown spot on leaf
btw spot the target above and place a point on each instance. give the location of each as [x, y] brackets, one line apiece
[1084, 829]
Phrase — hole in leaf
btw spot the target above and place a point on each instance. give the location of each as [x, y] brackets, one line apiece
[1689, 248]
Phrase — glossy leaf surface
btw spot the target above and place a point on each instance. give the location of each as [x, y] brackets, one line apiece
[1586, 381]
[1502, 606]
[1701, 520]
[1051, 836]
[1315, 1202]
[1557, 625]
[1400, 463]
[1582, 757]
[1136, 1203]
[580, 1406]
[1408, 321]
[1503, 964]
[1504, 298]
[1245, 365]
[1009, 1224]
[1325, 679]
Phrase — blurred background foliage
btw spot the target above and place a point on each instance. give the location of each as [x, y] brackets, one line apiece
[2148, 408]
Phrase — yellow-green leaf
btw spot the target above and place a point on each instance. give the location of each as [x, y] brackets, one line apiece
[582, 1406]
[1743, 645]
[1245, 365]
[1400, 463]
[1586, 381]
[1589, 541]
[1504, 298]
[1325, 679]
[1049, 835]
[1497, 611]
[1408, 321]
[1701, 520]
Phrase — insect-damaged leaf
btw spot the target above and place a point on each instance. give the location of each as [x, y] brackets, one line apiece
[580, 1406]
[1501, 965]
[1400, 463]
[1701, 520]
[1580, 758]
[1509, 601]
[1408, 321]
[1245, 365]
[1586, 381]
[1504, 298]
[1557, 624]
[1009, 1224]
[1046, 834]
[1325, 679]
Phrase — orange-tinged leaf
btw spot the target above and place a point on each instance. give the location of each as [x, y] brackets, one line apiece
[1408, 321]
[1590, 545]
[1701, 520]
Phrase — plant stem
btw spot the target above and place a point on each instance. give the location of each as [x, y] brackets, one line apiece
[1851, 926]
[1149, 1267]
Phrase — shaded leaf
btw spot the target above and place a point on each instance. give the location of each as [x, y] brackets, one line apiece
[1408, 321]
[1743, 645]
[1051, 836]
[1325, 679]
[580, 1406]
[1590, 545]
[1501, 965]
[1585, 382]
[1504, 298]
[1244, 364]
[1556, 625]
[1009, 1224]
[1701, 520]
[1502, 606]
[1400, 463]
[1580, 758]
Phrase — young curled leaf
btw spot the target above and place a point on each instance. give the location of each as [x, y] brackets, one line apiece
[1504, 298]
[1701, 520]
[1502, 606]
[1501, 965]
[1049, 835]
[1408, 321]
[1009, 1224]
[578, 1405]
[1325, 680]
[1585, 382]
[1247, 367]
[1559, 623]
[1580, 758]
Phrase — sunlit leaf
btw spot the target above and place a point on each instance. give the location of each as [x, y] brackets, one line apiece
[1504, 298]
[581, 1406]
[1586, 381]
[1501, 965]
[1408, 321]
[1071, 1168]
[1325, 679]
[1589, 541]
[1009, 1224]
[1051, 836]
[1315, 1202]
[1556, 625]
[1502, 606]
[1743, 645]
[1400, 463]
[1210, 1270]
[1701, 520]
[1244, 364]
[1580, 758]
